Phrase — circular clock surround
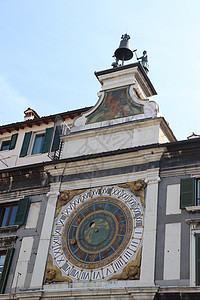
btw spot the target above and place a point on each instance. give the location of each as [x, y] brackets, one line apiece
[97, 233]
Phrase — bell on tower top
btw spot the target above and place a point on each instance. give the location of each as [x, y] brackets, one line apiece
[123, 52]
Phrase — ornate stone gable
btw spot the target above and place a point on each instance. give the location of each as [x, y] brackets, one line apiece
[116, 103]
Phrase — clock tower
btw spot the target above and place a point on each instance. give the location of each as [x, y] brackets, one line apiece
[104, 191]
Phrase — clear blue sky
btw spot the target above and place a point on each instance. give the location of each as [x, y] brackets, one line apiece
[49, 50]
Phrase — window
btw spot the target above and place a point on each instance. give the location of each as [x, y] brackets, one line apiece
[41, 142]
[9, 144]
[14, 213]
[198, 192]
[5, 262]
[197, 258]
[5, 145]
[2, 260]
[189, 192]
[8, 214]
[38, 143]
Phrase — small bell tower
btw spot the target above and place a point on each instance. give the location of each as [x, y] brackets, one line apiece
[125, 53]
[123, 117]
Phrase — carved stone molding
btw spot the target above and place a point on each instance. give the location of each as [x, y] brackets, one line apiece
[7, 241]
[194, 223]
[193, 208]
[9, 229]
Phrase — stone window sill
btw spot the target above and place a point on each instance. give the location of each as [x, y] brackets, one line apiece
[9, 229]
[7, 241]
[193, 208]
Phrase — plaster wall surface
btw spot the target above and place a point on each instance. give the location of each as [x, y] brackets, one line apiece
[172, 251]
[173, 199]
[109, 139]
[33, 215]
[22, 263]
[11, 158]
[162, 137]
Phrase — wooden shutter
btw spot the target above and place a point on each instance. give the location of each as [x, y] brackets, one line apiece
[187, 192]
[22, 211]
[6, 267]
[197, 257]
[47, 140]
[56, 140]
[13, 141]
[25, 145]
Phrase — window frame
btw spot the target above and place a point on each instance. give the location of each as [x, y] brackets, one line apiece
[189, 192]
[194, 234]
[2, 214]
[2, 252]
[33, 142]
[6, 268]
[21, 212]
[197, 191]
[2, 145]
[12, 140]
[197, 259]
[29, 142]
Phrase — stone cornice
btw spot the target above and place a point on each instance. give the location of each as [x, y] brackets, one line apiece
[136, 69]
[140, 157]
[14, 195]
[142, 123]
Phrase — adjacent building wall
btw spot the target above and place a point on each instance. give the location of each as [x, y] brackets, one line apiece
[175, 249]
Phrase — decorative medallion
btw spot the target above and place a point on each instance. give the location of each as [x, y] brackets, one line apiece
[97, 234]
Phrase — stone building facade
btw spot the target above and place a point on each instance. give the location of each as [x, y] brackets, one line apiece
[101, 202]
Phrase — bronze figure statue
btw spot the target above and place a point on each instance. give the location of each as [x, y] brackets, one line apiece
[144, 61]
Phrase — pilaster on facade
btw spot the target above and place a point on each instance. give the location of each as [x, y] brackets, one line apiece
[42, 253]
[150, 228]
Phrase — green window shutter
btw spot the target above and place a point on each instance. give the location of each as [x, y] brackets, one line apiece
[22, 211]
[47, 140]
[197, 257]
[187, 192]
[6, 267]
[25, 144]
[56, 140]
[13, 141]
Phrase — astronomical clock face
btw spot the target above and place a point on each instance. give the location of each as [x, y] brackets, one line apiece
[97, 233]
